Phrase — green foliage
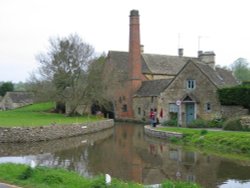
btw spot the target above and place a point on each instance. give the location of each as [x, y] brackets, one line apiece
[171, 123]
[173, 139]
[52, 179]
[39, 115]
[179, 184]
[5, 87]
[198, 123]
[217, 141]
[216, 123]
[238, 95]
[234, 125]
[203, 132]
[241, 69]
[43, 177]
[26, 174]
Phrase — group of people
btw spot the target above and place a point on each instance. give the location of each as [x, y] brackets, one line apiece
[153, 117]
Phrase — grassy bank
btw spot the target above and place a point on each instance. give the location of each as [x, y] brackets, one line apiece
[226, 142]
[38, 115]
[42, 177]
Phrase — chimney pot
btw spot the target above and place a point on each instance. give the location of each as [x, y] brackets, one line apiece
[180, 52]
[142, 48]
[134, 13]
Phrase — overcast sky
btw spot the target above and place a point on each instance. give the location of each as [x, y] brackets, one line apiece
[223, 26]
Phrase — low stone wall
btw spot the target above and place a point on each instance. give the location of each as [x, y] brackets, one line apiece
[245, 121]
[161, 134]
[34, 134]
[232, 111]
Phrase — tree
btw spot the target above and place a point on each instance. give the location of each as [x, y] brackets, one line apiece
[5, 87]
[64, 69]
[241, 69]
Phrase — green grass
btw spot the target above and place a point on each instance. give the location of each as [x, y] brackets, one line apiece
[38, 115]
[43, 177]
[226, 142]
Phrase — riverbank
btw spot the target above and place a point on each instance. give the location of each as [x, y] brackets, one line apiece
[235, 144]
[41, 177]
[44, 133]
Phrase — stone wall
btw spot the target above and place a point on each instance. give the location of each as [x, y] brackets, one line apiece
[34, 134]
[245, 121]
[232, 111]
[161, 134]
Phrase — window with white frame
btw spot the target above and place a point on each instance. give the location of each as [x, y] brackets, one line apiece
[191, 84]
[173, 107]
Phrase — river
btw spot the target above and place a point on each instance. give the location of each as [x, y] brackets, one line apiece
[126, 153]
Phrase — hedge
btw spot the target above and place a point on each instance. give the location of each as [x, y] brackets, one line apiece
[238, 95]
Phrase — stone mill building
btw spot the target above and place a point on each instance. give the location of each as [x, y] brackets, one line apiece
[171, 84]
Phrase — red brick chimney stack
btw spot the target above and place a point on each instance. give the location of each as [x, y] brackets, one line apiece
[134, 61]
[134, 46]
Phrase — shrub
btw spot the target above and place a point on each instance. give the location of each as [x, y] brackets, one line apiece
[216, 123]
[198, 123]
[26, 174]
[238, 95]
[203, 132]
[171, 123]
[173, 139]
[233, 125]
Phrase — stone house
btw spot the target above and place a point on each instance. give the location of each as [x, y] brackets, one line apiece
[16, 99]
[142, 81]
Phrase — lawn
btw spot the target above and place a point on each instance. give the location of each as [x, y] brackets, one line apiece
[218, 141]
[38, 115]
[43, 177]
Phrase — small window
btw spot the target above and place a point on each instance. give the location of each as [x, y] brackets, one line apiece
[152, 99]
[124, 108]
[208, 107]
[173, 108]
[123, 98]
[139, 111]
[191, 84]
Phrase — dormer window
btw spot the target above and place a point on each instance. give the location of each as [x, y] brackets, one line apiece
[191, 84]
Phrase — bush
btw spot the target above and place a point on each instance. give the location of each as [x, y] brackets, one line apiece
[238, 95]
[171, 123]
[233, 125]
[198, 123]
[216, 123]
[203, 132]
[26, 174]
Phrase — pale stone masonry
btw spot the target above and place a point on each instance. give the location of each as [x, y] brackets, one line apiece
[51, 132]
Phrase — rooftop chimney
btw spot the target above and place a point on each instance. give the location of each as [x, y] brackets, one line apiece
[180, 52]
[134, 46]
[207, 57]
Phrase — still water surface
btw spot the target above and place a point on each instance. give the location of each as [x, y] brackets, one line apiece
[126, 153]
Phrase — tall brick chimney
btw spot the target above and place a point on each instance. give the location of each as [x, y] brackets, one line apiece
[134, 61]
[134, 46]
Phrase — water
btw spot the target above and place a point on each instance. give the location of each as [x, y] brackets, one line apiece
[126, 153]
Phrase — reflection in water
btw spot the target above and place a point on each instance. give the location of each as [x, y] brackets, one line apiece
[126, 153]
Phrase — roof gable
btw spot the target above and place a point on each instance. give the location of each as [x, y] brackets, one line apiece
[152, 87]
[20, 97]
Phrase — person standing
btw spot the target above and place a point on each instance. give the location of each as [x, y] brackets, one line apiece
[151, 117]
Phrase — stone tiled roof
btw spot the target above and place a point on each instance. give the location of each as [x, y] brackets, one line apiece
[220, 77]
[151, 63]
[152, 87]
[171, 65]
[119, 59]
[163, 64]
[20, 97]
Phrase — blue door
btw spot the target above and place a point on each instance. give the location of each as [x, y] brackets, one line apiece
[189, 113]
